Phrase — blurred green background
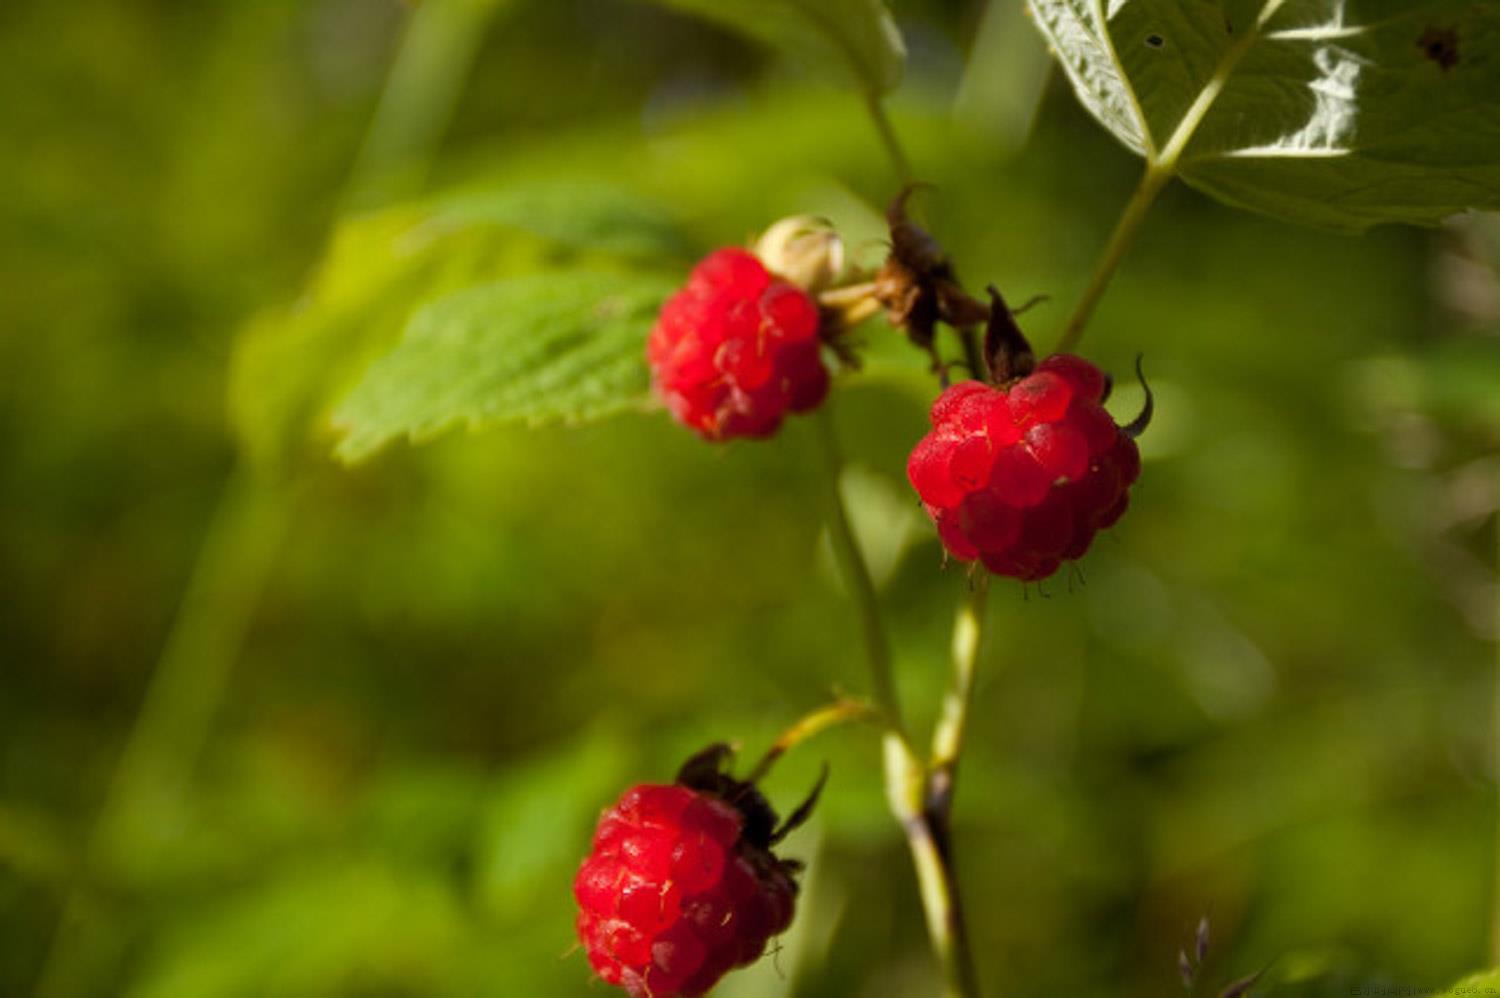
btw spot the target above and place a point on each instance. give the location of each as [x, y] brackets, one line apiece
[374, 769]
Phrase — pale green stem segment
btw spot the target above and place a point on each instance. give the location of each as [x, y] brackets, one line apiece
[907, 791]
[856, 574]
[841, 711]
[942, 772]
[908, 784]
[1160, 168]
[968, 635]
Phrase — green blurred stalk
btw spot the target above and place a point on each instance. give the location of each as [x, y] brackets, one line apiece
[922, 814]
[145, 805]
[1120, 241]
[857, 578]
[875, 104]
[437, 52]
[1495, 771]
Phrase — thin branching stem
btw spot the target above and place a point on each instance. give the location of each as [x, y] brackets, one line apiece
[1120, 240]
[841, 711]
[888, 137]
[1495, 778]
[856, 574]
[1161, 166]
[907, 776]
[968, 635]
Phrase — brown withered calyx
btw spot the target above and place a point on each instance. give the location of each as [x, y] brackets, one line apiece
[917, 285]
[918, 288]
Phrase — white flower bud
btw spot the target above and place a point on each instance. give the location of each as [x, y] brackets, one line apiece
[803, 249]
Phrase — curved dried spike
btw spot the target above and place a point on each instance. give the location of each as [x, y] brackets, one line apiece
[804, 810]
[1030, 303]
[1138, 425]
[910, 243]
[895, 212]
[704, 768]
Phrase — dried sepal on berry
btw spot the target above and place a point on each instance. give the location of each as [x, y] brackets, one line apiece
[917, 284]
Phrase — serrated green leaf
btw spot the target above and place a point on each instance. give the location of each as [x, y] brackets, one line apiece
[1337, 113]
[289, 364]
[853, 39]
[558, 347]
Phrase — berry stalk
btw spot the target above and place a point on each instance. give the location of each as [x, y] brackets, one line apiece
[856, 574]
[888, 138]
[841, 710]
[948, 737]
[908, 779]
[1120, 240]
[1495, 775]
[908, 791]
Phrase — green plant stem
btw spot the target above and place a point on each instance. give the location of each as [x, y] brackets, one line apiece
[144, 804]
[841, 711]
[1152, 182]
[909, 783]
[942, 770]
[438, 47]
[856, 574]
[888, 137]
[968, 636]
[1495, 774]
[906, 775]
[1160, 167]
[908, 792]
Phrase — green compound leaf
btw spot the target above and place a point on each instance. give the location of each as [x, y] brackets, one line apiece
[554, 347]
[1337, 113]
[843, 38]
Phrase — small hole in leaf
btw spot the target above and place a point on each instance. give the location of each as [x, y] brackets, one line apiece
[1156, 41]
[1441, 46]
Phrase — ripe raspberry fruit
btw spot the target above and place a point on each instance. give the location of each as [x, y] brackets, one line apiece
[1021, 476]
[737, 349]
[681, 885]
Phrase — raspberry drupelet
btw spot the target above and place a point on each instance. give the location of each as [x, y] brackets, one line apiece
[1022, 475]
[737, 349]
[681, 885]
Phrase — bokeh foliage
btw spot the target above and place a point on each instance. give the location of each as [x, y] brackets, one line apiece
[1269, 702]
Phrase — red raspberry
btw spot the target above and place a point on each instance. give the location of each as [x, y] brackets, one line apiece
[1022, 476]
[737, 349]
[681, 887]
